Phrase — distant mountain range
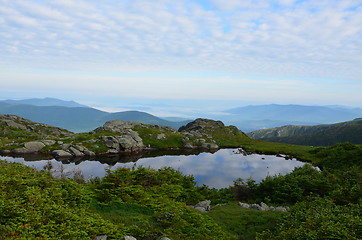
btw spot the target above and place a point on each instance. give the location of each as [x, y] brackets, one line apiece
[320, 135]
[76, 119]
[251, 118]
[80, 118]
[45, 102]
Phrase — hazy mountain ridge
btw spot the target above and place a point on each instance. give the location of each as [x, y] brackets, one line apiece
[45, 102]
[320, 135]
[254, 117]
[79, 119]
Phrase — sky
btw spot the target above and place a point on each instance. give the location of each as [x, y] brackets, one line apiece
[182, 56]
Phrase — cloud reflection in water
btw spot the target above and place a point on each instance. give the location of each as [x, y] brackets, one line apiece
[216, 170]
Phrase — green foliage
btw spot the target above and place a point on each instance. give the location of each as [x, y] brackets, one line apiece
[157, 201]
[341, 155]
[244, 223]
[34, 205]
[319, 218]
[144, 203]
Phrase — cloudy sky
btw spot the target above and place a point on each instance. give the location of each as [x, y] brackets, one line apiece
[119, 54]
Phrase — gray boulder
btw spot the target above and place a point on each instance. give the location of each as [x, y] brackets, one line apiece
[129, 141]
[102, 237]
[75, 152]
[244, 205]
[263, 207]
[129, 238]
[48, 142]
[34, 146]
[203, 206]
[29, 147]
[161, 136]
[11, 123]
[61, 154]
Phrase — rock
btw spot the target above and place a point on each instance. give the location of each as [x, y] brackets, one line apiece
[75, 152]
[255, 206]
[5, 152]
[48, 142]
[209, 145]
[117, 126]
[128, 142]
[65, 146]
[165, 238]
[129, 238]
[161, 136]
[188, 145]
[61, 154]
[203, 206]
[11, 123]
[103, 237]
[111, 142]
[34, 146]
[80, 148]
[22, 150]
[89, 153]
[263, 207]
[29, 147]
[282, 209]
[201, 123]
[131, 141]
[244, 205]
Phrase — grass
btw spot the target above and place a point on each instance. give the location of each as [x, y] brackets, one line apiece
[149, 135]
[244, 223]
[303, 153]
[126, 214]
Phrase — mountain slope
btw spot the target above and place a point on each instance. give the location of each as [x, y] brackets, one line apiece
[79, 119]
[320, 135]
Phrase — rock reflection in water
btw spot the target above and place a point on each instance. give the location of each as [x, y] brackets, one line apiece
[218, 169]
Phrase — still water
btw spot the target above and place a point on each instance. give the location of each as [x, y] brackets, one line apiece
[216, 170]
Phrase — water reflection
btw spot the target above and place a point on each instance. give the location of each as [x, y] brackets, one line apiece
[216, 170]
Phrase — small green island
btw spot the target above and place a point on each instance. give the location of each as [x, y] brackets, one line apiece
[142, 203]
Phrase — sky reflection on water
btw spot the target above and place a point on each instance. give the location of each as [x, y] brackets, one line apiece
[216, 170]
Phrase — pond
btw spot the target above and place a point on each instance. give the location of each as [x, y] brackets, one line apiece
[216, 170]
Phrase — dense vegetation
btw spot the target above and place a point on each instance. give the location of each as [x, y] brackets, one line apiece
[149, 204]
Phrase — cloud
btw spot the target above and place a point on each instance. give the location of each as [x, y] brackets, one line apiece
[279, 38]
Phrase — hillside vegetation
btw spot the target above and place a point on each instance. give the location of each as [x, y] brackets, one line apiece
[320, 135]
[150, 204]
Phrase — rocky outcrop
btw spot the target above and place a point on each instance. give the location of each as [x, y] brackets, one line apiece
[69, 150]
[117, 126]
[263, 207]
[130, 141]
[200, 124]
[10, 122]
[197, 133]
